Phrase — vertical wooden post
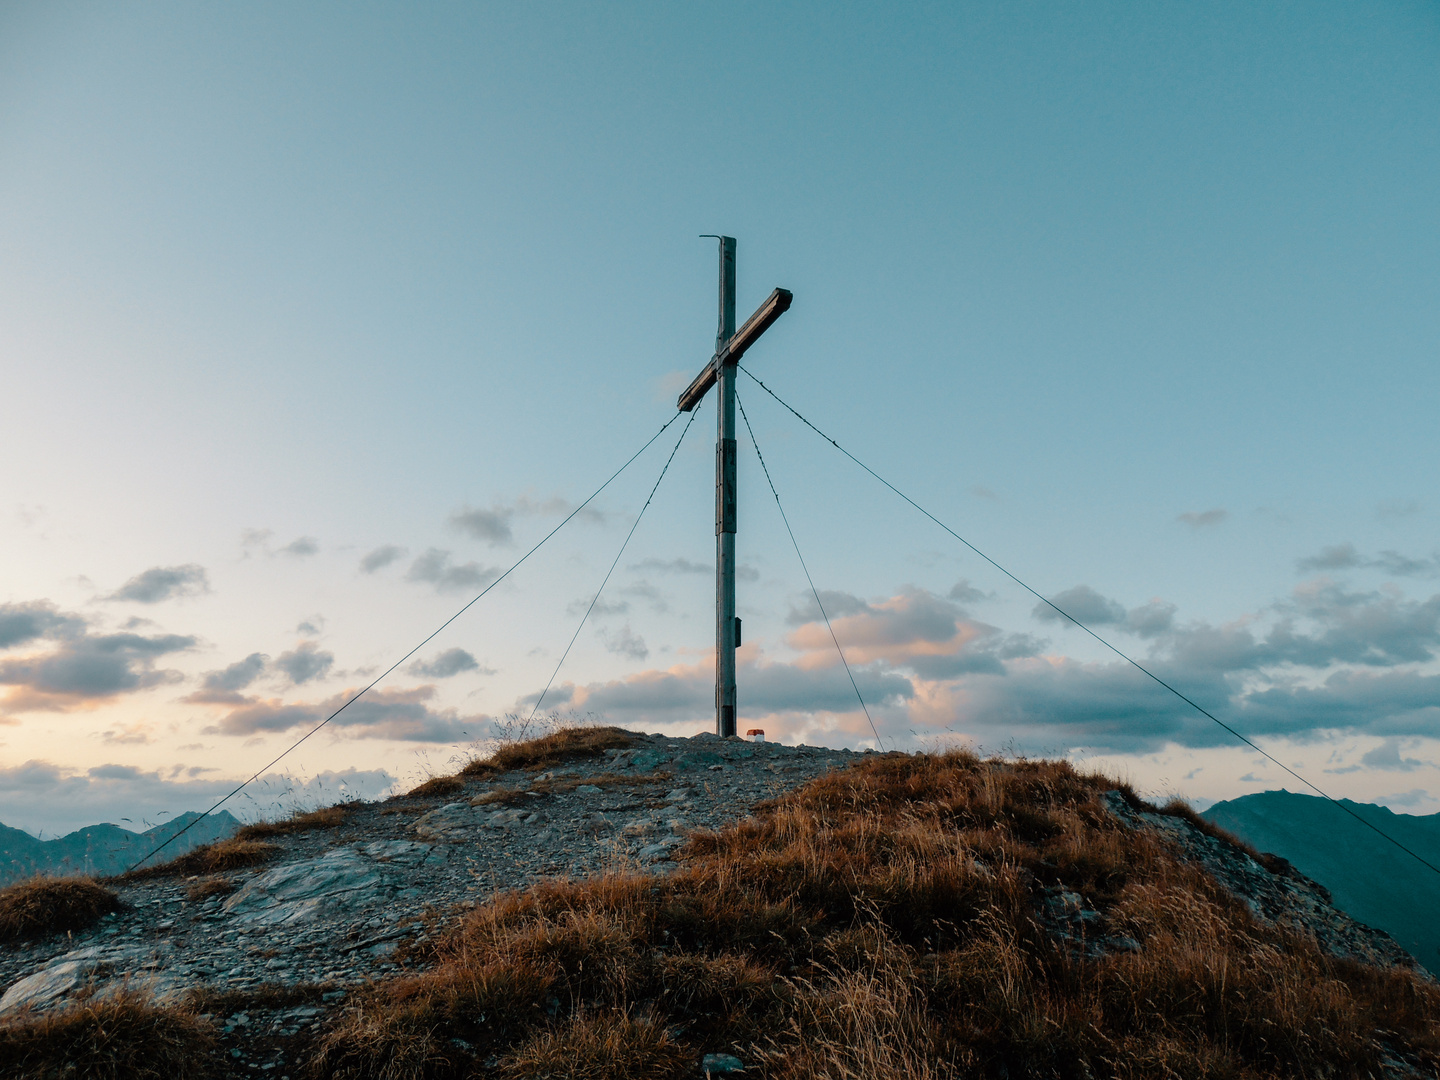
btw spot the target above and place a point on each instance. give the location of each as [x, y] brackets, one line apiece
[725, 501]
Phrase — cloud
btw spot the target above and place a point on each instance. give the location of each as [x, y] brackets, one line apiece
[836, 604]
[164, 583]
[1339, 557]
[1387, 756]
[300, 548]
[237, 676]
[1412, 798]
[962, 592]
[22, 623]
[42, 797]
[1397, 508]
[686, 692]
[127, 735]
[557, 507]
[645, 591]
[88, 668]
[1322, 659]
[311, 627]
[916, 630]
[492, 526]
[1151, 619]
[624, 642]
[436, 568]
[445, 664]
[1393, 562]
[602, 606]
[259, 539]
[1204, 518]
[1083, 604]
[673, 566]
[403, 715]
[224, 686]
[305, 662]
[1347, 557]
[380, 558]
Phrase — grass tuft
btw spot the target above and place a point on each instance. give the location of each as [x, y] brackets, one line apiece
[217, 858]
[46, 905]
[205, 888]
[567, 744]
[437, 786]
[327, 817]
[600, 1046]
[119, 1037]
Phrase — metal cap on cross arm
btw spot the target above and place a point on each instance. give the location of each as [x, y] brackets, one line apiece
[730, 346]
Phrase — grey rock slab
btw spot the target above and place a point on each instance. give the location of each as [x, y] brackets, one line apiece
[444, 822]
[697, 760]
[109, 967]
[348, 877]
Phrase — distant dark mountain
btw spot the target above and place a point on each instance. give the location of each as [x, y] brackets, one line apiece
[102, 850]
[1371, 879]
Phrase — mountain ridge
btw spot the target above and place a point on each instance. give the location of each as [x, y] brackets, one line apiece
[104, 849]
[1370, 879]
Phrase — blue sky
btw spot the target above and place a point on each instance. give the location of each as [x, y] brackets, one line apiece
[1140, 300]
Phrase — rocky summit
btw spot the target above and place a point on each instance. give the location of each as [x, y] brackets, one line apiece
[710, 905]
[335, 907]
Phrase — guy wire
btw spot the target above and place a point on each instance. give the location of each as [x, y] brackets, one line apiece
[412, 652]
[814, 591]
[1065, 614]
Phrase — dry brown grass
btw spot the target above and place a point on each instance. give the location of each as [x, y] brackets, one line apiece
[501, 797]
[205, 888]
[567, 744]
[607, 1045]
[883, 923]
[437, 786]
[47, 905]
[221, 1002]
[120, 1037]
[327, 817]
[217, 858]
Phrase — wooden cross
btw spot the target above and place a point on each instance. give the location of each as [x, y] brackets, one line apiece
[730, 345]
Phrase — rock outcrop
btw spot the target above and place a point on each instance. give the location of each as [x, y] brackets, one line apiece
[335, 905]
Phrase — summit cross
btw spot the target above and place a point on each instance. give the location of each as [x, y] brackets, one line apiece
[730, 345]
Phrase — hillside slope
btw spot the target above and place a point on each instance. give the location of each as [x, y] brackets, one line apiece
[1370, 879]
[102, 849]
[600, 904]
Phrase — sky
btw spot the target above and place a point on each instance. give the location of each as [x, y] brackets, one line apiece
[314, 319]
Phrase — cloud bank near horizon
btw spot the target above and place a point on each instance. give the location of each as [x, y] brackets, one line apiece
[1325, 658]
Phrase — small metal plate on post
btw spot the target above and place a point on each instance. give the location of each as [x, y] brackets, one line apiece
[725, 489]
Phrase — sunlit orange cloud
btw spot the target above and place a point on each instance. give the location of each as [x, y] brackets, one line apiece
[896, 630]
[940, 704]
[678, 676]
[25, 699]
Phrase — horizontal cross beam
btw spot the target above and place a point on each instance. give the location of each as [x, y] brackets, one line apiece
[774, 306]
